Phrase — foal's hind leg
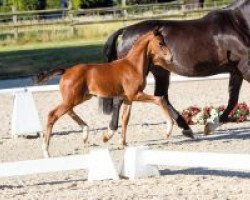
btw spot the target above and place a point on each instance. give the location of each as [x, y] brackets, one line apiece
[53, 116]
[81, 123]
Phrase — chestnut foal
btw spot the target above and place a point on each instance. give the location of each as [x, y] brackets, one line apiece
[124, 78]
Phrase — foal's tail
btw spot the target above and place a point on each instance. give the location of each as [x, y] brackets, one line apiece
[45, 76]
[109, 49]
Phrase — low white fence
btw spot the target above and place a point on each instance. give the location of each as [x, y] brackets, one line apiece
[98, 163]
[141, 162]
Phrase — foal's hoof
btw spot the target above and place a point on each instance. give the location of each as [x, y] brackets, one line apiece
[105, 137]
[188, 133]
[122, 146]
[168, 136]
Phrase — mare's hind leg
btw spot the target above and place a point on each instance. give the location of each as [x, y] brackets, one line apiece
[53, 116]
[161, 89]
[81, 123]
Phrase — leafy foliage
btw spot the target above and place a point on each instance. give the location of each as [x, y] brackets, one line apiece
[26, 4]
[52, 4]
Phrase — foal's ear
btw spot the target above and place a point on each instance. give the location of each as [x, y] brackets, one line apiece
[156, 31]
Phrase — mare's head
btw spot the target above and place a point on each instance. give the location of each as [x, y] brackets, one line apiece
[158, 51]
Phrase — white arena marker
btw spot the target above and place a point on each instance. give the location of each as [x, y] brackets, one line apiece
[134, 165]
[98, 163]
[138, 160]
[28, 167]
[196, 159]
[25, 119]
[101, 166]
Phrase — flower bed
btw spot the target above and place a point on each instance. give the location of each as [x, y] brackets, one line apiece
[196, 115]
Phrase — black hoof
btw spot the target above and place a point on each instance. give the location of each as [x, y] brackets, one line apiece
[188, 133]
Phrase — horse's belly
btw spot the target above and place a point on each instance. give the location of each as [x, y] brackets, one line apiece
[106, 90]
[201, 69]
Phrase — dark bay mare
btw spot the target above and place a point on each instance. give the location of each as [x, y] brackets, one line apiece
[217, 43]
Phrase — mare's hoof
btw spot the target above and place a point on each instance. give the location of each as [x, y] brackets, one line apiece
[209, 129]
[188, 133]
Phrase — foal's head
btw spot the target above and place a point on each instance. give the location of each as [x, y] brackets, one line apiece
[158, 51]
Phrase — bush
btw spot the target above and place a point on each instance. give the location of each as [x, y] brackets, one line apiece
[26, 4]
[76, 4]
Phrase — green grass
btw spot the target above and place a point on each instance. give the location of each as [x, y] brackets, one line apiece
[31, 59]
[57, 33]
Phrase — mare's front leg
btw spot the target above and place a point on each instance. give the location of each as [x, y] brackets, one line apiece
[142, 97]
[113, 125]
[162, 80]
[235, 83]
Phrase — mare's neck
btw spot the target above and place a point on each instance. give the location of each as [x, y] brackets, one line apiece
[242, 6]
[245, 10]
[138, 57]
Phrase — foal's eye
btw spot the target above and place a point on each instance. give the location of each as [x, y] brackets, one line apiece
[161, 44]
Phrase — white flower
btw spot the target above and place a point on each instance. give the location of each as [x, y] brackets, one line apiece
[199, 118]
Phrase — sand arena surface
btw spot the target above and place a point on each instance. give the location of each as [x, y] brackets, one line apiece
[146, 127]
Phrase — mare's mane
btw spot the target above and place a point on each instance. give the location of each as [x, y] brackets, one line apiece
[236, 4]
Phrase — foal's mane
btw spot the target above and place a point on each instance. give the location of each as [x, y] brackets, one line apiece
[141, 38]
[146, 38]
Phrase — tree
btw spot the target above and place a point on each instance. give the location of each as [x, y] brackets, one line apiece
[26, 4]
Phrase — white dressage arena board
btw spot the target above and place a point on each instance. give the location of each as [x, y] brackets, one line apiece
[142, 162]
[25, 119]
[98, 163]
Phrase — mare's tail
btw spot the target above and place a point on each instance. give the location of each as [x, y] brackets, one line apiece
[109, 49]
[110, 53]
[45, 76]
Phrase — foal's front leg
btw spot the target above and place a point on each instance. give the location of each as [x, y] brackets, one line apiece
[126, 111]
[160, 102]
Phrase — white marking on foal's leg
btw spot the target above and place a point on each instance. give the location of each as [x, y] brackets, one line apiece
[122, 142]
[169, 128]
[45, 150]
[85, 133]
[212, 125]
[108, 135]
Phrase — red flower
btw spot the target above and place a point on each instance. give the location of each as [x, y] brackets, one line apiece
[221, 108]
